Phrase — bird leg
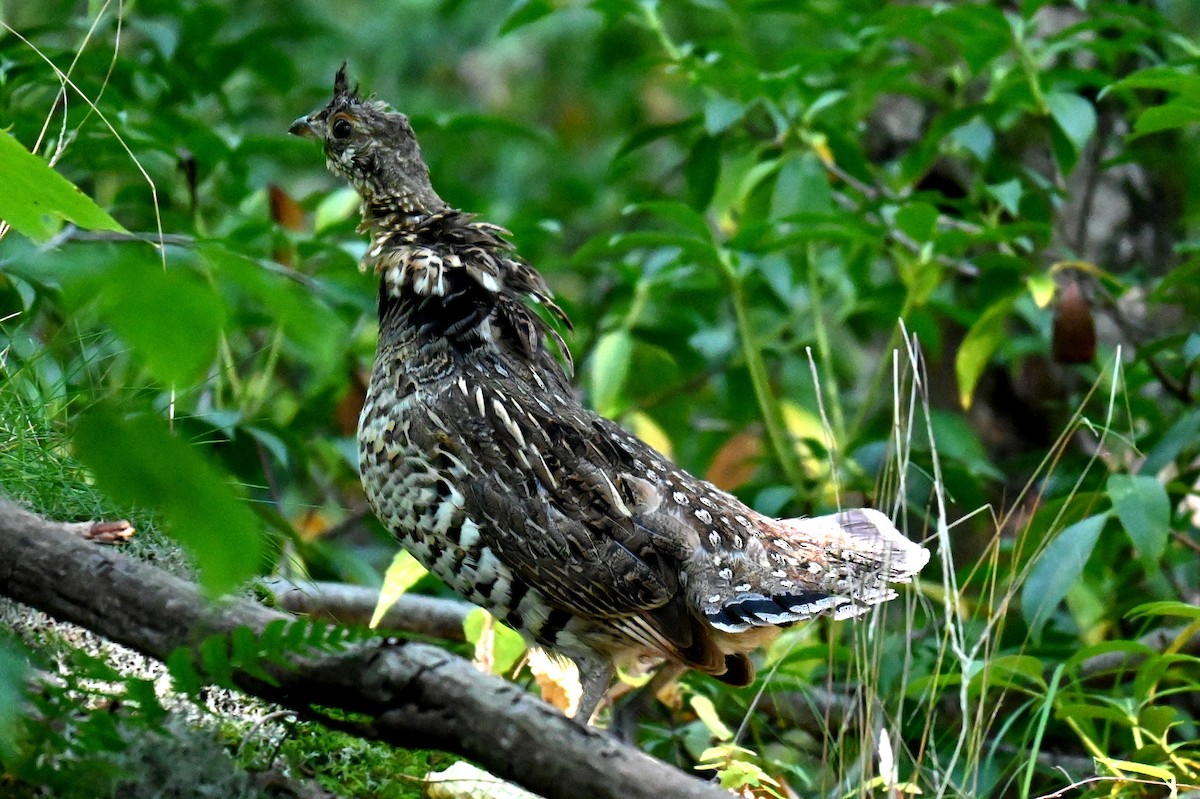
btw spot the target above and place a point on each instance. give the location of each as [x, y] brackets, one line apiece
[628, 713]
[596, 674]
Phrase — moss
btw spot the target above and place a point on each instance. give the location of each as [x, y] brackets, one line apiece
[351, 766]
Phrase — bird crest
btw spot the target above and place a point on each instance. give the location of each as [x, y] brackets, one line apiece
[341, 87]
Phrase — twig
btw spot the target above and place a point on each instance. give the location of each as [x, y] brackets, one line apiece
[1135, 334]
[71, 233]
[1181, 390]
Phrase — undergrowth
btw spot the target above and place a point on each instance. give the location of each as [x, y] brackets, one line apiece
[97, 720]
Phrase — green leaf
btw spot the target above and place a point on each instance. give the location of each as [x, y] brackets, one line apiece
[720, 112]
[1042, 288]
[34, 195]
[701, 171]
[677, 213]
[918, 220]
[525, 12]
[1165, 78]
[138, 462]
[403, 573]
[185, 679]
[1083, 710]
[214, 659]
[1075, 117]
[507, 643]
[1158, 719]
[167, 314]
[1142, 505]
[608, 371]
[739, 774]
[335, 207]
[644, 136]
[979, 34]
[1191, 349]
[1129, 649]
[1058, 566]
[802, 187]
[13, 672]
[1008, 194]
[1165, 608]
[249, 655]
[826, 99]
[976, 137]
[318, 336]
[170, 319]
[1021, 672]
[296, 634]
[977, 347]
[1183, 434]
[1177, 113]
[957, 441]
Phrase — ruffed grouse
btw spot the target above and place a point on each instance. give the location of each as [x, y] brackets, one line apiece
[477, 455]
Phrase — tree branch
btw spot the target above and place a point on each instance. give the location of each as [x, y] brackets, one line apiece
[411, 694]
[355, 604]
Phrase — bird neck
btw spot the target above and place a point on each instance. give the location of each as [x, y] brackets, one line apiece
[399, 210]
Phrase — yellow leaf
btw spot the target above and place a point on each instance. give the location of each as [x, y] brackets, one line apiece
[977, 348]
[707, 712]
[648, 430]
[820, 146]
[1041, 287]
[464, 781]
[1157, 772]
[402, 575]
[803, 426]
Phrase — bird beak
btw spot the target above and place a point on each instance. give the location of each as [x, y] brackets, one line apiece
[304, 128]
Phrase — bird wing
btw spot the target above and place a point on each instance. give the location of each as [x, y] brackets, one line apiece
[546, 489]
[567, 516]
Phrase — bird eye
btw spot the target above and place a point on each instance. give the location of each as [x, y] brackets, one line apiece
[341, 128]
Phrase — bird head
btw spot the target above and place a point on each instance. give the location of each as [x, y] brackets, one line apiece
[373, 147]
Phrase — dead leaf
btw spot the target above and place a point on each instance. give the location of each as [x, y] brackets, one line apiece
[736, 461]
[558, 680]
[1074, 336]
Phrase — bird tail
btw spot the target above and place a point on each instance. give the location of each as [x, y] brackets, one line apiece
[866, 538]
[840, 565]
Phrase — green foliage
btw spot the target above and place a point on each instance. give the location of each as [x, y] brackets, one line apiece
[501, 646]
[218, 659]
[1057, 568]
[12, 695]
[1142, 505]
[736, 203]
[34, 192]
[94, 732]
[127, 456]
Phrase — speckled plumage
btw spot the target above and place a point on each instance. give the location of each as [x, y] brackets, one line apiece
[476, 453]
